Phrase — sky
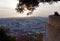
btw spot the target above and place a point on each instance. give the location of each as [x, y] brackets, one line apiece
[7, 9]
[8, 3]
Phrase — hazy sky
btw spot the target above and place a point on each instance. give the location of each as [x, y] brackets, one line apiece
[7, 9]
[8, 3]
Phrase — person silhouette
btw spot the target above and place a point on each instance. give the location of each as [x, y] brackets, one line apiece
[56, 13]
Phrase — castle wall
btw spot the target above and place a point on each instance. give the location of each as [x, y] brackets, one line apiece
[53, 28]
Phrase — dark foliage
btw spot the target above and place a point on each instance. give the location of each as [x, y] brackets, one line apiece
[4, 36]
[48, 0]
[30, 3]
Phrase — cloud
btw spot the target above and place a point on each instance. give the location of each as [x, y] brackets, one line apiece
[42, 11]
[8, 3]
[46, 9]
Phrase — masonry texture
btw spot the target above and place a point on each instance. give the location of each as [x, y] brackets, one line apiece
[53, 28]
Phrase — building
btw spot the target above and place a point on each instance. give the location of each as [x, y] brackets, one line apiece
[53, 28]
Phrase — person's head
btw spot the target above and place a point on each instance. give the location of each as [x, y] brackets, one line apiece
[56, 13]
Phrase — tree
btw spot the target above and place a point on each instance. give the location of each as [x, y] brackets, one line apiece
[30, 4]
[4, 35]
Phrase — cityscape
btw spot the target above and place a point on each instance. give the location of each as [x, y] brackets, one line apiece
[23, 27]
[29, 20]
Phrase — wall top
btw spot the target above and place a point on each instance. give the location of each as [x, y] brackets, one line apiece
[54, 20]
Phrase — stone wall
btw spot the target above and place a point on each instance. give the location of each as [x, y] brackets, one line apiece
[53, 28]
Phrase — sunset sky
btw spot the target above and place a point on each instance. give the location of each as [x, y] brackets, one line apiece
[7, 9]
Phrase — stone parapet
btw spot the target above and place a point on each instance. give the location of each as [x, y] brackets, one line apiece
[53, 28]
